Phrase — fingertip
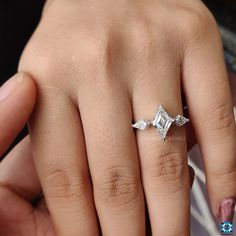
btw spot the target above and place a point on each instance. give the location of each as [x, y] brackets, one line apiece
[17, 100]
[29, 85]
[21, 83]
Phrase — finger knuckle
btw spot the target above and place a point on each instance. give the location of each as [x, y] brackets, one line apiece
[118, 187]
[112, 50]
[225, 173]
[220, 120]
[166, 166]
[65, 185]
[42, 62]
[141, 37]
[223, 176]
[50, 63]
[199, 24]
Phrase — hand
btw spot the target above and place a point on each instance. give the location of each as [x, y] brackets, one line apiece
[98, 66]
[19, 183]
[22, 206]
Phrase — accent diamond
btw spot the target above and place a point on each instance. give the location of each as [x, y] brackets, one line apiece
[142, 124]
[180, 120]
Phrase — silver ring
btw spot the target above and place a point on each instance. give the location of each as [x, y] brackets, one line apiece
[162, 121]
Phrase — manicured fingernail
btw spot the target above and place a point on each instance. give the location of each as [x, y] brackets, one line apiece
[226, 211]
[10, 86]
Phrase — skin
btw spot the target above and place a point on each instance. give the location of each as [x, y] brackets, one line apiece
[99, 66]
[22, 206]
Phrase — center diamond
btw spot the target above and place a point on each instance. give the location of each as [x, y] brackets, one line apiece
[162, 121]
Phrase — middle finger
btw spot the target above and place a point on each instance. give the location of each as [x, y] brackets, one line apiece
[112, 155]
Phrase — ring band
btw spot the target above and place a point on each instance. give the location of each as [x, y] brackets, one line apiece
[162, 121]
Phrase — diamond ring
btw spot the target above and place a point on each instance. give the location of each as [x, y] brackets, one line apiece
[161, 121]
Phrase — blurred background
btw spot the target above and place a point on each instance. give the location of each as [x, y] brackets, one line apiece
[18, 20]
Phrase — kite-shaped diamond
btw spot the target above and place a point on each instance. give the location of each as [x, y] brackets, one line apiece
[162, 121]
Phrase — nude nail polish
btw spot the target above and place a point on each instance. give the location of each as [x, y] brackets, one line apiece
[226, 211]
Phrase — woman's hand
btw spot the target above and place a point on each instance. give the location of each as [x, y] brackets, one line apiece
[100, 65]
[19, 183]
[22, 206]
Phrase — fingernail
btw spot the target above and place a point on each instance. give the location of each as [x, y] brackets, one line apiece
[10, 86]
[226, 211]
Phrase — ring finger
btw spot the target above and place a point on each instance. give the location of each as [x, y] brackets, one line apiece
[163, 163]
